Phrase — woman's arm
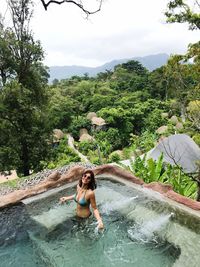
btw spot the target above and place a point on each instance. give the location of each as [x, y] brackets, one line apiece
[63, 199]
[96, 211]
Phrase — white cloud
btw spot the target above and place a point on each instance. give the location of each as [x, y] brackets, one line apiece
[122, 29]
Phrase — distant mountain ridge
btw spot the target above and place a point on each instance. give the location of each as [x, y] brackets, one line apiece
[151, 62]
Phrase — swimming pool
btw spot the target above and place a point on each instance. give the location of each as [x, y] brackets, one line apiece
[140, 230]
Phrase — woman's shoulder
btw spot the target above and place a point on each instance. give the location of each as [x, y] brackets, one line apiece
[91, 192]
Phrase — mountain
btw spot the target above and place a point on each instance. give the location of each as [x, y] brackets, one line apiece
[151, 62]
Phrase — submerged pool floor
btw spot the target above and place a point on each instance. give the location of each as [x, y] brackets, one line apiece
[39, 235]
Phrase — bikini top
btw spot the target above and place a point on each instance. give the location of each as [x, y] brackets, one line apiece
[82, 202]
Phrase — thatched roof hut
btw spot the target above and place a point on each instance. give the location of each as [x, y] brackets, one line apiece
[57, 135]
[98, 121]
[84, 135]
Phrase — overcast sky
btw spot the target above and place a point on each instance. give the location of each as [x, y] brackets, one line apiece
[122, 29]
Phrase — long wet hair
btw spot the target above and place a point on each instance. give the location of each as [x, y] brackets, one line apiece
[92, 184]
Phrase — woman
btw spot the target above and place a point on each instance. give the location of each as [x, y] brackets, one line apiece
[85, 197]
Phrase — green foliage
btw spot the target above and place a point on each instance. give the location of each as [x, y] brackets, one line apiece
[181, 11]
[112, 136]
[134, 67]
[61, 108]
[23, 98]
[158, 83]
[154, 120]
[127, 100]
[114, 157]
[78, 123]
[99, 101]
[196, 139]
[12, 184]
[150, 171]
[131, 76]
[146, 141]
[118, 118]
[86, 146]
[24, 130]
[130, 150]
[62, 155]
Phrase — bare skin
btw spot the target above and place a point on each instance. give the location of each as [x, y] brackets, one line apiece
[88, 194]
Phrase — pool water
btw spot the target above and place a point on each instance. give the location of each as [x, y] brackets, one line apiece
[44, 233]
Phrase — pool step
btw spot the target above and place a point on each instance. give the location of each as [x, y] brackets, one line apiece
[52, 218]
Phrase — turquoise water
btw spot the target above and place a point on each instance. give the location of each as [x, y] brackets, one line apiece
[39, 235]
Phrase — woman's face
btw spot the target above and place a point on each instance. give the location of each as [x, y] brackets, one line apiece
[86, 178]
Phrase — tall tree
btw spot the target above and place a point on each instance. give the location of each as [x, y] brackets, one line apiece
[23, 97]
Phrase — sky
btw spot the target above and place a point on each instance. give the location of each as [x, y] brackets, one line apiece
[122, 29]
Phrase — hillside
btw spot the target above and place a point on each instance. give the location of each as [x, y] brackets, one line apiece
[150, 62]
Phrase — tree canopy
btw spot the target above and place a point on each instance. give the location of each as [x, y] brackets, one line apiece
[182, 11]
[23, 97]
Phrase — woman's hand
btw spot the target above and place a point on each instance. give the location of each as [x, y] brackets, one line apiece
[63, 199]
[100, 224]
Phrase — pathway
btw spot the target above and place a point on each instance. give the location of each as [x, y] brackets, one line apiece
[71, 144]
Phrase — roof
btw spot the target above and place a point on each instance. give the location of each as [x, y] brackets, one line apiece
[98, 121]
[90, 115]
[57, 134]
[180, 149]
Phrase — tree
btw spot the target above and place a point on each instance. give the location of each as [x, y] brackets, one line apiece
[134, 67]
[23, 98]
[180, 11]
[79, 4]
[194, 113]
[60, 109]
[23, 130]
[120, 119]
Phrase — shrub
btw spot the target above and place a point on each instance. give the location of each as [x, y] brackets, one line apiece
[114, 157]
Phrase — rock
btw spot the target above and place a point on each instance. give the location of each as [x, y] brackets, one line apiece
[159, 187]
[54, 176]
[162, 129]
[167, 191]
[179, 126]
[164, 115]
[174, 120]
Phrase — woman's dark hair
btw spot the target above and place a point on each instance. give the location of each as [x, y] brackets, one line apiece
[92, 184]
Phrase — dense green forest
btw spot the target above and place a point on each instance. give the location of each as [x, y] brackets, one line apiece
[133, 101]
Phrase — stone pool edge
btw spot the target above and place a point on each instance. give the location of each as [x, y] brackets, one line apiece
[55, 180]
